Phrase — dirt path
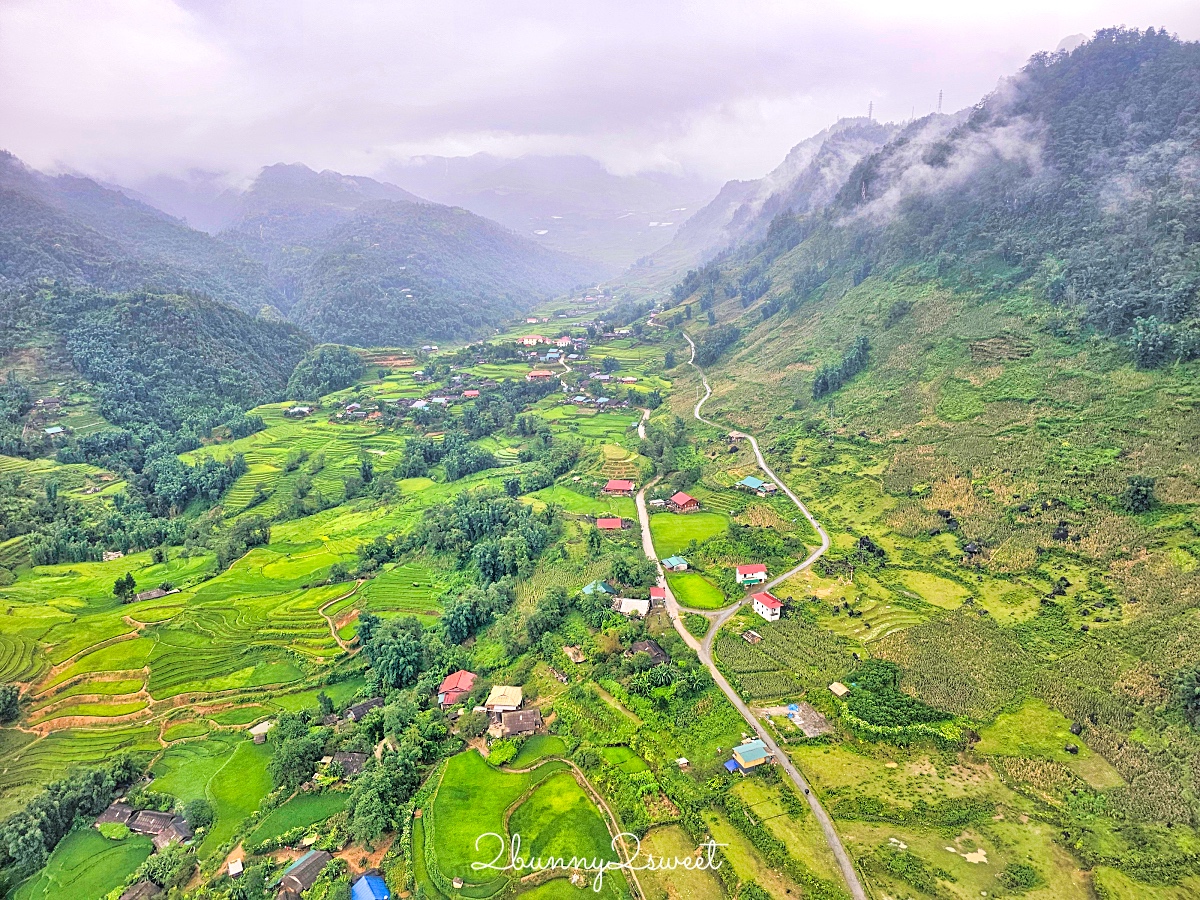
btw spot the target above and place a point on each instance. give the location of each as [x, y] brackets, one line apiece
[704, 648]
[333, 628]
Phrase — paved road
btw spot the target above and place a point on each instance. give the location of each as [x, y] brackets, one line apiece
[717, 619]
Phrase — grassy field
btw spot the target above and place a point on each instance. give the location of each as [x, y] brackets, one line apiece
[302, 810]
[559, 819]
[86, 865]
[538, 746]
[673, 532]
[471, 800]
[694, 590]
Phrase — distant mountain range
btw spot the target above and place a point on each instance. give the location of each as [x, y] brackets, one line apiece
[349, 259]
[808, 178]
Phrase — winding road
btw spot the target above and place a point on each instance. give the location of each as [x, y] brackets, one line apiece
[718, 618]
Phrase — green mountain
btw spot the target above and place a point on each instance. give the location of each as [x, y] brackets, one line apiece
[363, 262]
[141, 360]
[73, 230]
[978, 361]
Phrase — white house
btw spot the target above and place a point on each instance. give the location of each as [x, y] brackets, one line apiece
[631, 606]
[755, 573]
[767, 606]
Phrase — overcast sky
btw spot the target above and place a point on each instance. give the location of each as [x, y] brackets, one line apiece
[127, 88]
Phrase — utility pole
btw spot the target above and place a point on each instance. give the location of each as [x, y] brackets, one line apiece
[871, 111]
[939, 103]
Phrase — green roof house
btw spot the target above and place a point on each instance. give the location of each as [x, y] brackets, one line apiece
[600, 586]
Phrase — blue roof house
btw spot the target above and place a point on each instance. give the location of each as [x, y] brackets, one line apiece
[370, 887]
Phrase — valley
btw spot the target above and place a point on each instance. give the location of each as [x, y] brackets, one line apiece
[851, 547]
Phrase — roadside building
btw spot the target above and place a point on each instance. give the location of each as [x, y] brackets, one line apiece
[658, 596]
[752, 573]
[675, 564]
[751, 754]
[610, 524]
[767, 606]
[683, 503]
[539, 375]
[631, 606]
[750, 483]
[618, 486]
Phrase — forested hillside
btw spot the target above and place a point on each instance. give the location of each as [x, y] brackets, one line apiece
[358, 261]
[73, 230]
[1076, 180]
[173, 362]
[979, 362]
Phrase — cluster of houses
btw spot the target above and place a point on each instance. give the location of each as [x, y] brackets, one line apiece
[631, 607]
[163, 828]
[302, 874]
[503, 705]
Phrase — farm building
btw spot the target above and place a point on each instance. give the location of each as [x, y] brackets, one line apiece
[302, 874]
[539, 375]
[454, 686]
[370, 887]
[523, 721]
[298, 412]
[54, 430]
[503, 698]
[619, 486]
[736, 436]
[631, 606]
[575, 654]
[118, 813]
[351, 763]
[358, 710]
[470, 395]
[601, 587]
[683, 503]
[751, 637]
[752, 573]
[259, 732]
[675, 564]
[151, 821]
[143, 890]
[658, 596]
[839, 689]
[610, 524]
[154, 594]
[767, 606]
[750, 483]
[658, 655]
[751, 754]
[178, 832]
[236, 867]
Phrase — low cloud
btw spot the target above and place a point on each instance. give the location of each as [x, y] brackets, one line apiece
[129, 88]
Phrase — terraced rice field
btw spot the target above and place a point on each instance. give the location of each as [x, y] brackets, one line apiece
[86, 864]
[408, 589]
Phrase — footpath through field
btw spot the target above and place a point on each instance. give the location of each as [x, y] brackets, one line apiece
[704, 648]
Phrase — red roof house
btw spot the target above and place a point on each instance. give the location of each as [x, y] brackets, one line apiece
[682, 502]
[539, 375]
[657, 594]
[454, 686]
[767, 606]
[610, 524]
[755, 573]
[618, 486]
[470, 394]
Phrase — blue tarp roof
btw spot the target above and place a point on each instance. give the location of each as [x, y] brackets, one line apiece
[370, 887]
[731, 765]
